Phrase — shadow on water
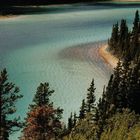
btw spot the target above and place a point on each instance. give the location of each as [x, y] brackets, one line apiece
[34, 9]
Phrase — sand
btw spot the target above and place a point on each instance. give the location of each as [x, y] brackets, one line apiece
[110, 59]
[6, 16]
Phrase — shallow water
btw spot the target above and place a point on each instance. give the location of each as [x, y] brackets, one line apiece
[56, 47]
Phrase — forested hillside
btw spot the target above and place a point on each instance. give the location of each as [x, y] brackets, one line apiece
[41, 2]
[125, 43]
[117, 114]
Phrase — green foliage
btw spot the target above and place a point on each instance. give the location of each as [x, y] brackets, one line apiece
[90, 102]
[82, 113]
[84, 130]
[101, 115]
[42, 95]
[122, 126]
[70, 122]
[125, 44]
[123, 90]
[9, 94]
[88, 106]
[136, 22]
[74, 119]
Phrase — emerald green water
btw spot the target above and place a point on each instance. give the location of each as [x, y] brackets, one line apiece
[56, 47]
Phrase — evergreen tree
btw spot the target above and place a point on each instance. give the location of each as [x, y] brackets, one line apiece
[124, 44]
[109, 90]
[136, 22]
[9, 94]
[134, 88]
[70, 122]
[135, 36]
[90, 102]
[82, 113]
[43, 121]
[74, 120]
[115, 91]
[114, 37]
[42, 95]
[122, 37]
[101, 115]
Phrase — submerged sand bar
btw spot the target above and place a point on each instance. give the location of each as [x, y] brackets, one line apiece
[107, 56]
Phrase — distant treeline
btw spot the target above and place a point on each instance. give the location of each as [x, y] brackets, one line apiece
[125, 43]
[41, 2]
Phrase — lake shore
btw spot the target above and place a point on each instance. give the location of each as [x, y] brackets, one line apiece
[7, 16]
[110, 59]
[96, 53]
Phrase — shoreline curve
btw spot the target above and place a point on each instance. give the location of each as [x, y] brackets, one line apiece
[108, 58]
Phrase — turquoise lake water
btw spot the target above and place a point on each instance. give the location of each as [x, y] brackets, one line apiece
[55, 46]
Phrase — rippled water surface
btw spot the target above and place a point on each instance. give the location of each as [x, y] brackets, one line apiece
[56, 46]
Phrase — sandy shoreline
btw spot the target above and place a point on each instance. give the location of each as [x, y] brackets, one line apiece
[107, 56]
[95, 53]
[7, 16]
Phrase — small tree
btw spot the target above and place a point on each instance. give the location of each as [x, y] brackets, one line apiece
[74, 119]
[90, 103]
[82, 113]
[42, 95]
[136, 22]
[9, 94]
[70, 123]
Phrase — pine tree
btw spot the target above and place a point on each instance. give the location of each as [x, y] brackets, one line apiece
[126, 54]
[9, 94]
[114, 37]
[134, 88]
[70, 122]
[135, 36]
[122, 36]
[114, 97]
[136, 22]
[109, 96]
[101, 115]
[42, 95]
[82, 113]
[74, 120]
[43, 121]
[90, 102]
[139, 28]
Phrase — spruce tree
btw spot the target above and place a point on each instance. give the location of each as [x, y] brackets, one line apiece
[43, 120]
[90, 102]
[101, 115]
[136, 22]
[124, 44]
[82, 113]
[74, 120]
[42, 95]
[70, 122]
[109, 96]
[9, 94]
[114, 38]
[134, 88]
[135, 51]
